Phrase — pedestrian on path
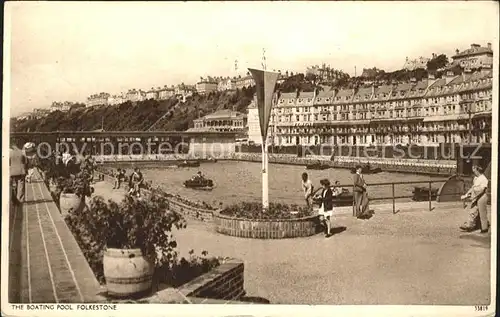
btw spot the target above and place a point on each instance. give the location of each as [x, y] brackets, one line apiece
[325, 211]
[360, 195]
[32, 162]
[478, 217]
[308, 188]
[18, 169]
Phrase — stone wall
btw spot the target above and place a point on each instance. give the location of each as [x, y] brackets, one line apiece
[386, 164]
[191, 212]
[225, 282]
[421, 166]
[266, 229]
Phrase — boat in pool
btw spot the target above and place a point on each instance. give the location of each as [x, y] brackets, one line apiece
[317, 166]
[367, 170]
[210, 160]
[201, 183]
[421, 193]
[343, 199]
[189, 164]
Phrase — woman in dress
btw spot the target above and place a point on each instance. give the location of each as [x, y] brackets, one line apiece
[325, 211]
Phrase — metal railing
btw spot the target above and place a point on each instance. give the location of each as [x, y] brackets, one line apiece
[393, 196]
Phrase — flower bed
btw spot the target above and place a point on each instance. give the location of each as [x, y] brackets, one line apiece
[279, 221]
[276, 211]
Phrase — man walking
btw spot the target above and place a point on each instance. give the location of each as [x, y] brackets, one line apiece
[360, 194]
[18, 170]
[478, 202]
[308, 188]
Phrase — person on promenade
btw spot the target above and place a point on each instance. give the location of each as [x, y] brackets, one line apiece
[18, 169]
[66, 157]
[325, 211]
[137, 179]
[32, 162]
[360, 194]
[118, 178]
[478, 217]
[90, 163]
[308, 188]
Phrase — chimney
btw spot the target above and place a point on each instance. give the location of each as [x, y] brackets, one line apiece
[297, 93]
[489, 46]
[474, 46]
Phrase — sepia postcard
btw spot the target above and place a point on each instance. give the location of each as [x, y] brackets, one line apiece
[250, 158]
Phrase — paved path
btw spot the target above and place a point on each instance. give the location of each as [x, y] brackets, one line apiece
[45, 264]
[417, 257]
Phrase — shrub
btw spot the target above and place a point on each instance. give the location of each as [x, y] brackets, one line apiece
[145, 224]
[184, 270]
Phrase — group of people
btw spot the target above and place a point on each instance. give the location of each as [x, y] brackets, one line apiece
[476, 195]
[328, 193]
[135, 181]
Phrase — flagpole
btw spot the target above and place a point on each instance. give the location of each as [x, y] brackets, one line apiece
[265, 178]
[265, 83]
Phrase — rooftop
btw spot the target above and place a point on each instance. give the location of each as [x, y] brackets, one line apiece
[474, 50]
[224, 114]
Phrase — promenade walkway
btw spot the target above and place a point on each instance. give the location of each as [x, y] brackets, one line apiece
[45, 263]
[413, 257]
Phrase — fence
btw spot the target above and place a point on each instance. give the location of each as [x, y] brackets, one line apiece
[431, 193]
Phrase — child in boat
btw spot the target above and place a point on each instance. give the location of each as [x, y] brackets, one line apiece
[198, 176]
[337, 189]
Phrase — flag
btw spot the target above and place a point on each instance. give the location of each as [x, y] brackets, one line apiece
[265, 82]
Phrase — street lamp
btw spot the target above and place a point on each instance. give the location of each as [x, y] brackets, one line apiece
[469, 110]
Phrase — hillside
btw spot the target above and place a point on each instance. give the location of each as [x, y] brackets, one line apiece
[166, 115]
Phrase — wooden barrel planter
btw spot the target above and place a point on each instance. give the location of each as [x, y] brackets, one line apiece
[127, 272]
[68, 202]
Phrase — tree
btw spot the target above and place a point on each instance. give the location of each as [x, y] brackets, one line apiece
[437, 62]
[311, 78]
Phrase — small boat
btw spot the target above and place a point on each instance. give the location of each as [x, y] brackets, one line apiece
[421, 193]
[317, 166]
[210, 160]
[199, 183]
[189, 164]
[346, 198]
[367, 170]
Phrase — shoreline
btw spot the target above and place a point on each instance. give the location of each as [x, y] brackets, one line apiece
[407, 166]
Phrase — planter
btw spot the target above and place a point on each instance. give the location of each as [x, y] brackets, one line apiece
[69, 202]
[266, 229]
[127, 272]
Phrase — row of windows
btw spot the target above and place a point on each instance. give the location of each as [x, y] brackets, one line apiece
[401, 103]
[395, 139]
[436, 109]
[385, 95]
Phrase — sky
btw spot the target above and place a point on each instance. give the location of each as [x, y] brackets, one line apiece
[68, 51]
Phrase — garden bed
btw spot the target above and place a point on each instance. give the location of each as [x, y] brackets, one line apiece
[248, 220]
